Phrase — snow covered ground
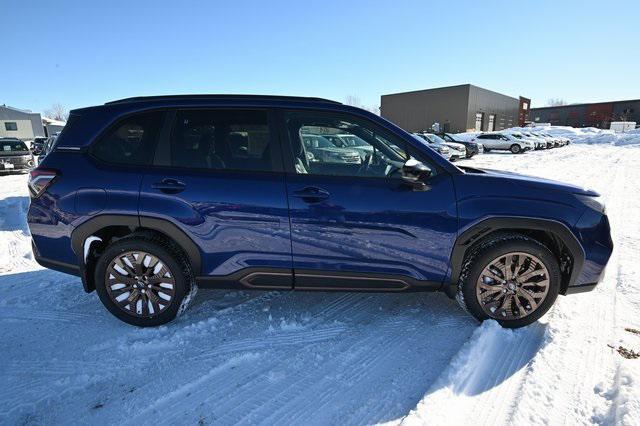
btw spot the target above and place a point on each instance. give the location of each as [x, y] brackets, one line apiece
[329, 358]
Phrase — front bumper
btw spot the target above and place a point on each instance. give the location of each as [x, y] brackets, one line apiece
[595, 237]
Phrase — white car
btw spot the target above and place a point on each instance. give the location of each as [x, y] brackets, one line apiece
[438, 147]
[563, 141]
[551, 141]
[545, 143]
[352, 142]
[505, 142]
[457, 150]
[538, 144]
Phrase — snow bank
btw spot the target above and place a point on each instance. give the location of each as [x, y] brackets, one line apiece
[590, 135]
[586, 135]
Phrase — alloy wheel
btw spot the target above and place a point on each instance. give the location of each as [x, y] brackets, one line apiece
[512, 286]
[140, 284]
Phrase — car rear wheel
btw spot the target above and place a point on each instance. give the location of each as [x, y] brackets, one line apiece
[510, 278]
[144, 281]
[515, 148]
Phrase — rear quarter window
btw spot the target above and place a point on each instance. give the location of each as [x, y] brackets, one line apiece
[131, 140]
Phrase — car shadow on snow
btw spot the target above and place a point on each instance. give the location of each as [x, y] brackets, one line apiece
[245, 356]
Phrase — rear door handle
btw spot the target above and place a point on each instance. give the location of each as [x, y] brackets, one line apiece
[311, 194]
[169, 186]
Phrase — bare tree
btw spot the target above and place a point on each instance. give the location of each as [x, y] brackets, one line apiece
[355, 101]
[57, 112]
[556, 102]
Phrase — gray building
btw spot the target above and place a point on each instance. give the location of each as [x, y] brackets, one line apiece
[588, 115]
[455, 108]
[18, 123]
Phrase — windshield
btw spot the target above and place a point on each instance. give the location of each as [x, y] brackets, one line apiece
[435, 138]
[12, 146]
[351, 140]
[317, 142]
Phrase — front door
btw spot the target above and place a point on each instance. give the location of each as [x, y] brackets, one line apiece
[354, 222]
[218, 178]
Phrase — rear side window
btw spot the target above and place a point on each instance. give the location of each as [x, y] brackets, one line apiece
[221, 140]
[130, 141]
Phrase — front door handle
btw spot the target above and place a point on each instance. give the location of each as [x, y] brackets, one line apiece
[170, 186]
[311, 194]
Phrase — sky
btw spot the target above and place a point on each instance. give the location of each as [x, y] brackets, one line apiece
[89, 52]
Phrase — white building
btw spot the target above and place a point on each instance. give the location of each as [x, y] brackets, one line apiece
[19, 123]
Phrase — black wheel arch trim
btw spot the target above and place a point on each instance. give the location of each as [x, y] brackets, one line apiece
[487, 225]
[95, 224]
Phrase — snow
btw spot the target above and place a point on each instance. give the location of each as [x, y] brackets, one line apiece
[329, 358]
[586, 135]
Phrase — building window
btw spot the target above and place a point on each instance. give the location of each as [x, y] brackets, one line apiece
[11, 126]
[479, 120]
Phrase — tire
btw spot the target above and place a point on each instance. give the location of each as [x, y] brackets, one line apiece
[470, 291]
[515, 149]
[180, 284]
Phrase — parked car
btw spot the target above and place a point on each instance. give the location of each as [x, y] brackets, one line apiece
[563, 141]
[547, 144]
[504, 141]
[351, 142]
[320, 149]
[439, 147]
[456, 151]
[14, 155]
[147, 199]
[472, 148]
[37, 145]
[537, 142]
[550, 140]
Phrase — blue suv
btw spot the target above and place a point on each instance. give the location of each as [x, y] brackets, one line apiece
[146, 199]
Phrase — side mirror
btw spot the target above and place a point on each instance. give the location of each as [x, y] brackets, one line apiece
[414, 173]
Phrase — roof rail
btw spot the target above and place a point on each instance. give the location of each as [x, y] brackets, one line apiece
[218, 96]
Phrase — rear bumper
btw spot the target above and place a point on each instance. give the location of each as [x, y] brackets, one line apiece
[54, 264]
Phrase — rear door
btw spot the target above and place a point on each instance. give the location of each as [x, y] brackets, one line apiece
[218, 177]
[357, 225]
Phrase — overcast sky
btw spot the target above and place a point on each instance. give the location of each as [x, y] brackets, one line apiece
[85, 53]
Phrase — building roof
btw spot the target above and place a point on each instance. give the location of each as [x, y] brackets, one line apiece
[449, 87]
[51, 121]
[586, 104]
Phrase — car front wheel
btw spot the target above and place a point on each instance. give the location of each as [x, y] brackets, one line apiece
[515, 148]
[510, 278]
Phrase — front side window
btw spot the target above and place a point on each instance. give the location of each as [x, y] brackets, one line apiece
[131, 141]
[11, 126]
[221, 140]
[338, 145]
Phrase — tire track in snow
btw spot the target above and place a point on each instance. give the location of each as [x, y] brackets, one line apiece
[26, 314]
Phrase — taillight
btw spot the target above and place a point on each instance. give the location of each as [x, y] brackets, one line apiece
[39, 180]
